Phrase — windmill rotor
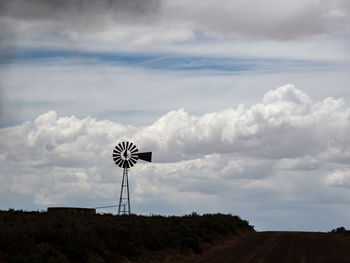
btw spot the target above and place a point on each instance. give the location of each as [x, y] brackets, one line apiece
[126, 155]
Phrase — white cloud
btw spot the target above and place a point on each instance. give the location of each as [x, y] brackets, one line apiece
[60, 141]
[338, 178]
[275, 153]
[286, 124]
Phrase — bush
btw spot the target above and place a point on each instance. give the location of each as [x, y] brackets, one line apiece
[44, 237]
[340, 230]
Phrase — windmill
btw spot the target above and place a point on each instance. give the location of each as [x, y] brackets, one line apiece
[126, 155]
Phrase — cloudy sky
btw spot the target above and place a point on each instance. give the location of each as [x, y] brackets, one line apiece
[244, 104]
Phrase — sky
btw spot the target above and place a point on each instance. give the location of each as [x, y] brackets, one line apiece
[244, 104]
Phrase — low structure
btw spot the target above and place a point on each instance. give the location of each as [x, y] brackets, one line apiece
[72, 210]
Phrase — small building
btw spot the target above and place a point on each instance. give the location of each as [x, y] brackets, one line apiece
[72, 210]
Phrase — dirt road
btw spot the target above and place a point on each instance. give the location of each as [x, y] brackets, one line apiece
[281, 247]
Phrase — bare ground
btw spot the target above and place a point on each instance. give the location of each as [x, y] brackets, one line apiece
[277, 247]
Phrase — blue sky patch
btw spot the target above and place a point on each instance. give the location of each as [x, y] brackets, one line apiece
[173, 62]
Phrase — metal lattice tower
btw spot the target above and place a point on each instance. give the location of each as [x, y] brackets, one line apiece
[126, 155]
[124, 200]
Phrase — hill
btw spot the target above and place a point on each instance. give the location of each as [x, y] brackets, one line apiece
[63, 237]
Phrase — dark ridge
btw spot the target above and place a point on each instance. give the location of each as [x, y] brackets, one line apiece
[61, 237]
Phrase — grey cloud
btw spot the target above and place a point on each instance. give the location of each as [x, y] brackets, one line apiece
[177, 20]
[263, 19]
[52, 9]
[304, 163]
[78, 16]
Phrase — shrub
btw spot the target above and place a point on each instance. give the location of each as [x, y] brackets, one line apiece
[110, 238]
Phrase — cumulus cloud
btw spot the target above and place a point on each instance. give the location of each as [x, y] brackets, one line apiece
[60, 141]
[285, 124]
[281, 146]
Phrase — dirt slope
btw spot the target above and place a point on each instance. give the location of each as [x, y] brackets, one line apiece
[277, 247]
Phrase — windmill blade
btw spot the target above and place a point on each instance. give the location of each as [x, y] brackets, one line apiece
[133, 161]
[123, 143]
[117, 149]
[130, 145]
[147, 156]
[115, 155]
[116, 159]
[133, 148]
[134, 151]
[134, 156]
[127, 146]
[120, 163]
[120, 147]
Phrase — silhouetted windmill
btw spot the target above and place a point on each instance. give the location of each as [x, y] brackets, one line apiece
[126, 155]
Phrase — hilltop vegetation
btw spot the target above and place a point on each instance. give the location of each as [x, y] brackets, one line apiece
[46, 237]
[340, 230]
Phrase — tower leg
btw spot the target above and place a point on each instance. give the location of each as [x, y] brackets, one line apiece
[124, 199]
[127, 189]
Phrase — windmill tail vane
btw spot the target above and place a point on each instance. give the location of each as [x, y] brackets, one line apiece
[126, 155]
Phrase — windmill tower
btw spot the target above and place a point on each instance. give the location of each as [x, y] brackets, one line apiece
[126, 155]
